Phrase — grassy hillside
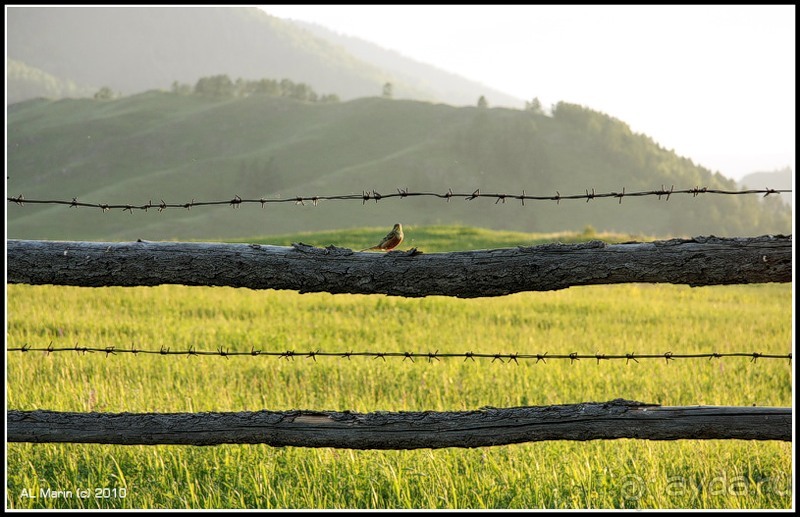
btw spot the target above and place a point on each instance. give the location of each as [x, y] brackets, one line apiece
[157, 145]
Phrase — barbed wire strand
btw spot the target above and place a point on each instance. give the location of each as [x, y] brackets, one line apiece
[365, 196]
[429, 356]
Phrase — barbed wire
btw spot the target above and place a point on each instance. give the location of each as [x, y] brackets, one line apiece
[429, 356]
[401, 193]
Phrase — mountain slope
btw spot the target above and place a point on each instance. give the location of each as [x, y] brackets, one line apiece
[778, 179]
[781, 179]
[454, 88]
[133, 49]
[156, 146]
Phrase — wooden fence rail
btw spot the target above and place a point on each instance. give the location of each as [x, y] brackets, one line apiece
[497, 272]
[407, 430]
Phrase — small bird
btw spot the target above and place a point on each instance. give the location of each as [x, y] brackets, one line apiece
[391, 241]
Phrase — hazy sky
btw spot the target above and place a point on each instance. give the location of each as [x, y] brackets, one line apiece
[714, 83]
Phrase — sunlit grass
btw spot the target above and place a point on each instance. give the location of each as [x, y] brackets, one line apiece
[630, 318]
[441, 238]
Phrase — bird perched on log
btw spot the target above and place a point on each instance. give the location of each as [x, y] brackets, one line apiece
[391, 241]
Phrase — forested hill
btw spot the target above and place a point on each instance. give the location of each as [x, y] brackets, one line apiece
[178, 148]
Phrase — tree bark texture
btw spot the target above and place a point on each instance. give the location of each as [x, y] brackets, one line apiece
[467, 274]
[407, 430]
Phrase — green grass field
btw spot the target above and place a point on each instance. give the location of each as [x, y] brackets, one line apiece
[597, 474]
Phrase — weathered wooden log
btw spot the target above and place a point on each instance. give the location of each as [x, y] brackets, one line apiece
[407, 430]
[696, 262]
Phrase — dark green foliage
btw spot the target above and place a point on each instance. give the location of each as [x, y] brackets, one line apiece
[534, 106]
[216, 86]
[104, 94]
[222, 87]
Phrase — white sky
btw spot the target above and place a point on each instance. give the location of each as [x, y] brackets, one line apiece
[714, 83]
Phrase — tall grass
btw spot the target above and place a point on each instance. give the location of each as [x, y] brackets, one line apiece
[599, 474]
